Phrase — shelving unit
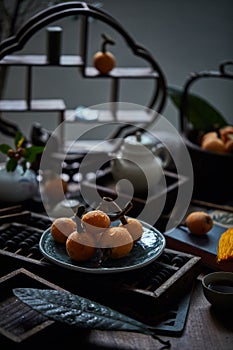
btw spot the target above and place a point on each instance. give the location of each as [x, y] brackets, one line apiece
[41, 20]
[36, 105]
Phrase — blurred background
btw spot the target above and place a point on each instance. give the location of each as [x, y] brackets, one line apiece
[183, 37]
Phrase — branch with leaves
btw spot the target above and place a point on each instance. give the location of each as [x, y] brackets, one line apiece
[20, 155]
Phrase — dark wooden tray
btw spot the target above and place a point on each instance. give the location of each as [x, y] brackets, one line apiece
[17, 320]
[156, 282]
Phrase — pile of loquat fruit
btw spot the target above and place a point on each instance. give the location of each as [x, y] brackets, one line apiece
[219, 142]
[96, 234]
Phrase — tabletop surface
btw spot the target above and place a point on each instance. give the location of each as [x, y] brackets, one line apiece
[205, 328]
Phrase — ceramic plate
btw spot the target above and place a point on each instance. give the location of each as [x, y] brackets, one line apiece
[222, 218]
[146, 250]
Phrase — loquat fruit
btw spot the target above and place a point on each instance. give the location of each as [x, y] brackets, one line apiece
[134, 227]
[95, 221]
[209, 136]
[104, 61]
[80, 246]
[229, 146]
[226, 133]
[214, 145]
[199, 222]
[61, 228]
[118, 240]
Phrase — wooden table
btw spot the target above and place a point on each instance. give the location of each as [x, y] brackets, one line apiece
[205, 329]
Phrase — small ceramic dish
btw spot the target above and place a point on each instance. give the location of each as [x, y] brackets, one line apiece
[218, 289]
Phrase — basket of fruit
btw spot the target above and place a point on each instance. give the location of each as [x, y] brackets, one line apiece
[208, 136]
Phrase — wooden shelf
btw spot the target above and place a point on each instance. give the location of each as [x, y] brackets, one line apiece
[40, 60]
[46, 105]
[122, 72]
[149, 70]
[104, 116]
[74, 61]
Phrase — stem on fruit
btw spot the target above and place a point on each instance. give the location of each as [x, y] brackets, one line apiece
[78, 216]
[120, 214]
[107, 40]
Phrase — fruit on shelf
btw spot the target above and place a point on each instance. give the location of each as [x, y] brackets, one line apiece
[104, 61]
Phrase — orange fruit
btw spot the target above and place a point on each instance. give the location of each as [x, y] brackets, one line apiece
[229, 146]
[104, 62]
[95, 221]
[226, 133]
[134, 227]
[209, 136]
[61, 228]
[199, 222]
[55, 188]
[118, 240]
[214, 145]
[80, 246]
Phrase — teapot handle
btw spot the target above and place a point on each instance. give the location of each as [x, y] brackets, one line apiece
[160, 151]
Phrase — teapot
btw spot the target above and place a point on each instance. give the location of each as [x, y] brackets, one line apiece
[141, 165]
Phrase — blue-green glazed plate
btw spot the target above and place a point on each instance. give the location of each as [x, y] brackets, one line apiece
[147, 249]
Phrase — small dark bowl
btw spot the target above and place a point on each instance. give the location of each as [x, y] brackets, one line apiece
[218, 289]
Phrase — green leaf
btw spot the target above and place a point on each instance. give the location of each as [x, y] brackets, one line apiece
[19, 139]
[4, 148]
[78, 311]
[24, 165]
[201, 114]
[11, 164]
[31, 153]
